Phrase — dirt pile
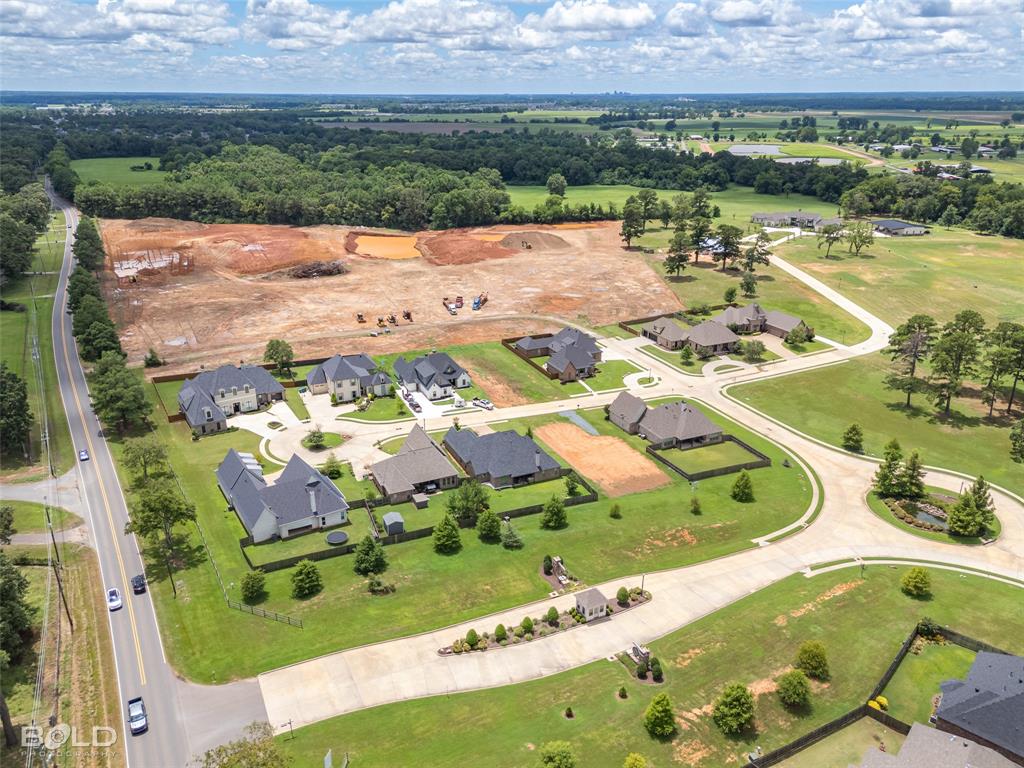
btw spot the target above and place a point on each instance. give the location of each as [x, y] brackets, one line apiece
[319, 269]
[525, 241]
[459, 247]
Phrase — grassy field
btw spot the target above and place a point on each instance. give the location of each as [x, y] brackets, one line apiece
[30, 517]
[599, 194]
[834, 397]
[939, 273]
[672, 357]
[35, 293]
[117, 171]
[656, 531]
[751, 641]
[610, 375]
[848, 746]
[916, 682]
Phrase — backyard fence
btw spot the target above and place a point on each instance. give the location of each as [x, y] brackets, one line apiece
[510, 345]
[798, 745]
[761, 461]
[274, 615]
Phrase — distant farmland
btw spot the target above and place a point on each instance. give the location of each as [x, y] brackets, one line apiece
[444, 127]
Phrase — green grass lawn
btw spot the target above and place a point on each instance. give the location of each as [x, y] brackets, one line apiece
[613, 330]
[357, 528]
[294, 400]
[707, 457]
[331, 440]
[610, 375]
[598, 194]
[30, 517]
[506, 378]
[117, 171]
[939, 273]
[832, 398]
[672, 357]
[746, 642]
[703, 283]
[848, 746]
[352, 488]
[916, 682]
[48, 252]
[35, 294]
[379, 409]
[657, 531]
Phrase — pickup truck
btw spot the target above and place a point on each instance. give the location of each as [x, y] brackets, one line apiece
[138, 722]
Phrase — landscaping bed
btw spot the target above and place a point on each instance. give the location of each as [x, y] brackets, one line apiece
[552, 622]
[899, 512]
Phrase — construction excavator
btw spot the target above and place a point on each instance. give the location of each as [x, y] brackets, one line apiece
[407, 315]
[360, 317]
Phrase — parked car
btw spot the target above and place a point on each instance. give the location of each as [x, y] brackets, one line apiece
[138, 722]
[114, 602]
[480, 402]
[138, 584]
[83, 455]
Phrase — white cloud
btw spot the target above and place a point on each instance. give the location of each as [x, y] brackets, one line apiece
[686, 20]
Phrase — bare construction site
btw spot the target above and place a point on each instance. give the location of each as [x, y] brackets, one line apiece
[216, 293]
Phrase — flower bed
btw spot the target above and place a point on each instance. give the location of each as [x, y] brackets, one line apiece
[531, 628]
[908, 510]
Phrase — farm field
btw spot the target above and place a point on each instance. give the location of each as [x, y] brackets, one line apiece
[939, 273]
[433, 591]
[117, 171]
[838, 395]
[861, 622]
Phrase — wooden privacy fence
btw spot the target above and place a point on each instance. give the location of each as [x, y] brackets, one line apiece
[761, 461]
[510, 345]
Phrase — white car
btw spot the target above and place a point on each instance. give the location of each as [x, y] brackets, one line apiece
[114, 599]
[83, 455]
[487, 405]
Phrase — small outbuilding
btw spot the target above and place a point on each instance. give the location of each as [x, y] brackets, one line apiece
[897, 228]
[393, 523]
[592, 604]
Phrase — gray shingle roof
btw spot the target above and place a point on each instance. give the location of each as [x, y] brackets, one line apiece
[678, 420]
[894, 224]
[627, 408]
[427, 369]
[530, 344]
[391, 518]
[665, 328]
[361, 367]
[927, 747]
[499, 454]
[751, 313]
[577, 356]
[710, 333]
[591, 598]
[782, 320]
[990, 702]
[420, 460]
[227, 376]
[299, 492]
[194, 403]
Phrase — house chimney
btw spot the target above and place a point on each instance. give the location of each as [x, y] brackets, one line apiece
[536, 458]
[311, 490]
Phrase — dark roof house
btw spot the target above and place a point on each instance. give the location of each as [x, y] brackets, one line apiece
[231, 388]
[419, 465]
[626, 411]
[433, 372]
[712, 336]
[988, 706]
[927, 747]
[360, 368]
[500, 458]
[897, 227]
[678, 424]
[301, 498]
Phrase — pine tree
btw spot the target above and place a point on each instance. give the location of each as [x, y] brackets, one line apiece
[743, 488]
[911, 478]
[979, 491]
[447, 540]
[659, 719]
[510, 539]
[488, 526]
[553, 517]
[965, 519]
[853, 438]
[369, 557]
[887, 476]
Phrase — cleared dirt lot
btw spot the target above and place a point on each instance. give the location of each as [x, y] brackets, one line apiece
[237, 294]
[612, 463]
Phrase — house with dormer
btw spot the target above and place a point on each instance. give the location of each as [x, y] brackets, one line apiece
[207, 399]
[348, 378]
[436, 375]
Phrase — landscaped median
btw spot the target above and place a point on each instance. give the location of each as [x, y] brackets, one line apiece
[552, 622]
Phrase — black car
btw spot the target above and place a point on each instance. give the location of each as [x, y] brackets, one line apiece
[138, 584]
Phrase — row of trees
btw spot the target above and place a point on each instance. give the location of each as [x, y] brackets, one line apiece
[937, 360]
[24, 215]
[15, 414]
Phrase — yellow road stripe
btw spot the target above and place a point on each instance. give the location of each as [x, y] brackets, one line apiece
[106, 502]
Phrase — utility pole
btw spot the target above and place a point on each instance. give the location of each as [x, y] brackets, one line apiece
[63, 597]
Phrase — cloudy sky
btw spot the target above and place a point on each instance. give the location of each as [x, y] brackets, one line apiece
[467, 46]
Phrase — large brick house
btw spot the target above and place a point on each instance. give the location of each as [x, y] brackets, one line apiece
[207, 399]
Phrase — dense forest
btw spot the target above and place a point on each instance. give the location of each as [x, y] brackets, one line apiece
[275, 167]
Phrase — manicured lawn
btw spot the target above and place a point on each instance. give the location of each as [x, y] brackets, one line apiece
[939, 274]
[379, 409]
[357, 528]
[331, 440]
[672, 358]
[294, 400]
[847, 747]
[707, 457]
[504, 377]
[916, 682]
[750, 641]
[656, 531]
[808, 347]
[352, 488]
[117, 171]
[610, 374]
[832, 398]
[30, 517]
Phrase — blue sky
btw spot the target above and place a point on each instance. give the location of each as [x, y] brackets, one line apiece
[474, 46]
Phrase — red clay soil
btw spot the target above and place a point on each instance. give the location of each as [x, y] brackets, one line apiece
[458, 247]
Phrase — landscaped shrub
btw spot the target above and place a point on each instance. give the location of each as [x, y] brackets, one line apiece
[332, 467]
[743, 488]
[615, 513]
[488, 526]
[548, 565]
[572, 485]
[519, 631]
[472, 638]
[553, 517]
[634, 760]
[695, 508]
[656, 674]
[926, 627]
[500, 633]
[253, 585]
[377, 586]
[527, 624]
[446, 536]
[659, 719]
[622, 596]
[794, 689]
[552, 616]
[557, 754]
[623, 693]
[569, 714]
[369, 557]
[306, 579]
[734, 708]
[509, 538]
[641, 670]
[812, 660]
[882, 702]
[853, 438]
[916, 582]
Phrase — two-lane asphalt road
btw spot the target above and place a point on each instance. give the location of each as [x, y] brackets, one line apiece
[142, 669]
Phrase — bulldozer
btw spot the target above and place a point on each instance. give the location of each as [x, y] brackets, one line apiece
[380, 322]
[407, 315]
[392, 319]
[360, 317]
